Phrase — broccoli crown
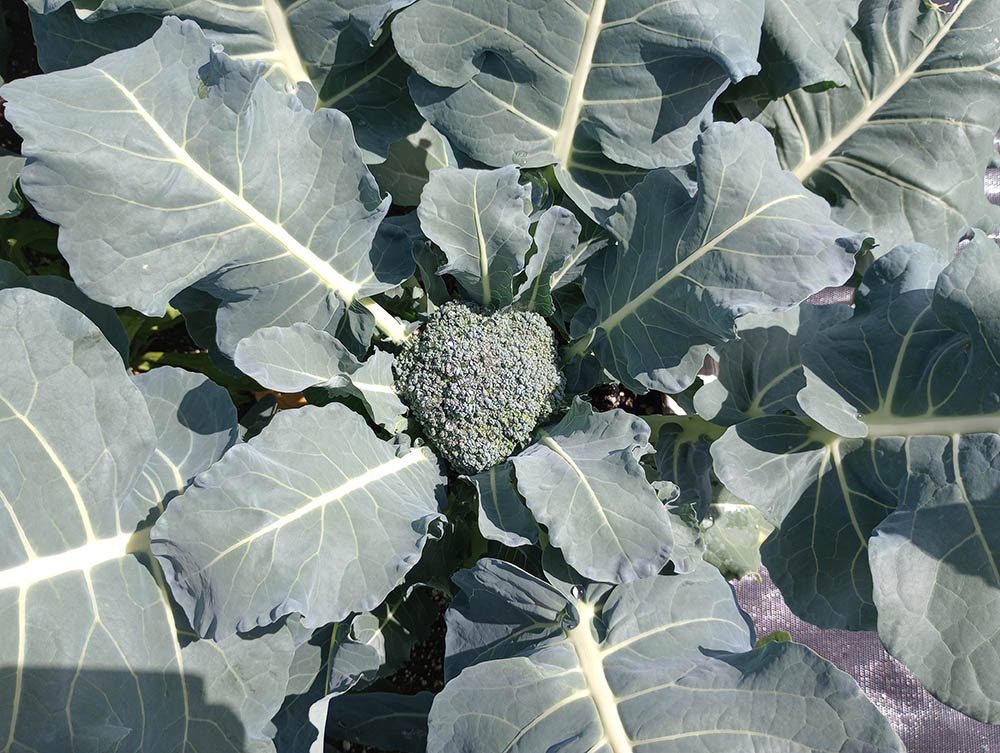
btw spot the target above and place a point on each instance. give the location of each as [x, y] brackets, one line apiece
[479, 383]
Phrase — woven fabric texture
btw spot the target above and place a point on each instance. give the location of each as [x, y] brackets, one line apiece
[925, 724]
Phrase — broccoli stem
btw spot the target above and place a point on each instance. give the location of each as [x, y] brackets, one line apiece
[579, 347]
[389, 325]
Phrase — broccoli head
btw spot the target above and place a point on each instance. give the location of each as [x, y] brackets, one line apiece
[479, 383]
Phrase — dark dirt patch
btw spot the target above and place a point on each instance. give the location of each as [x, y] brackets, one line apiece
[424, 671]
[607, 396]
[22, 61]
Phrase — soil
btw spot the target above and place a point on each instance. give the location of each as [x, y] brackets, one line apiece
[607, 396]
[424, 671]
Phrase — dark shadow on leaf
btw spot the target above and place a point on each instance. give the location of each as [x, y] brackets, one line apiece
[69, 710]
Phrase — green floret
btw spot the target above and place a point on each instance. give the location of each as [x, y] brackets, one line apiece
[479, 384]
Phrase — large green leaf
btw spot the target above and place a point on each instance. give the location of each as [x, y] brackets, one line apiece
[314, 515]
[808, 478]
[583, 83]
[936, 581]
[479, 220]
[659, 664]
[91, 655]
[751, 238]
[908, 510]
[583, 481]
[901, 152]
[298, 41]
[168, 202]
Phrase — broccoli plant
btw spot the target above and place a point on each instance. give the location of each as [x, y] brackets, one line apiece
[445, 225]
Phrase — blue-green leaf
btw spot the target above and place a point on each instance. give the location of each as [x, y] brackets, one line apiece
[751, 239]
[583, 481]
[478, 218]
[660, 665]
[115, 673]
[902, 150]
[586, 84]
[175, 206]
[314, 515]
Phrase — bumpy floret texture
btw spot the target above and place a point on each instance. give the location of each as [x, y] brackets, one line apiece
[479, 383]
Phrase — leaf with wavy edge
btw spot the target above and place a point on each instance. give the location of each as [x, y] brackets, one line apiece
[799, 43]
[903, 150]
[314, 515]
[325, 42]
[752, 238]
[478, 218]
[173, 204]
[298, 41]
[91, 653]
[583, 481]
[292, 359]
[195, 423]
[658, 663]
[916, 364]
[582, 83]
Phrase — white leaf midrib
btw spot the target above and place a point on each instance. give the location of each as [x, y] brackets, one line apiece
[590, 659]
[814, 162]
[633, 304]
[370, 476]
[337, 282]
[563, 144]
[82, 558]
[284, 44]
[887, 425]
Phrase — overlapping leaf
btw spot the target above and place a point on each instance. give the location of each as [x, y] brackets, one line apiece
[325, 42]
[291, 359]
[586, 84]
[409, 163]
[90, 656]
[582, 480]
[346, 656]
[502, 514]
[807, 478]
[916, 364]
[478, 218]
[315, 515]
[103, 316]
[901, 152]
[558, 260]
[211, 172]
[657, 663]
[799, 43]
[752, 238]
[301, 41]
